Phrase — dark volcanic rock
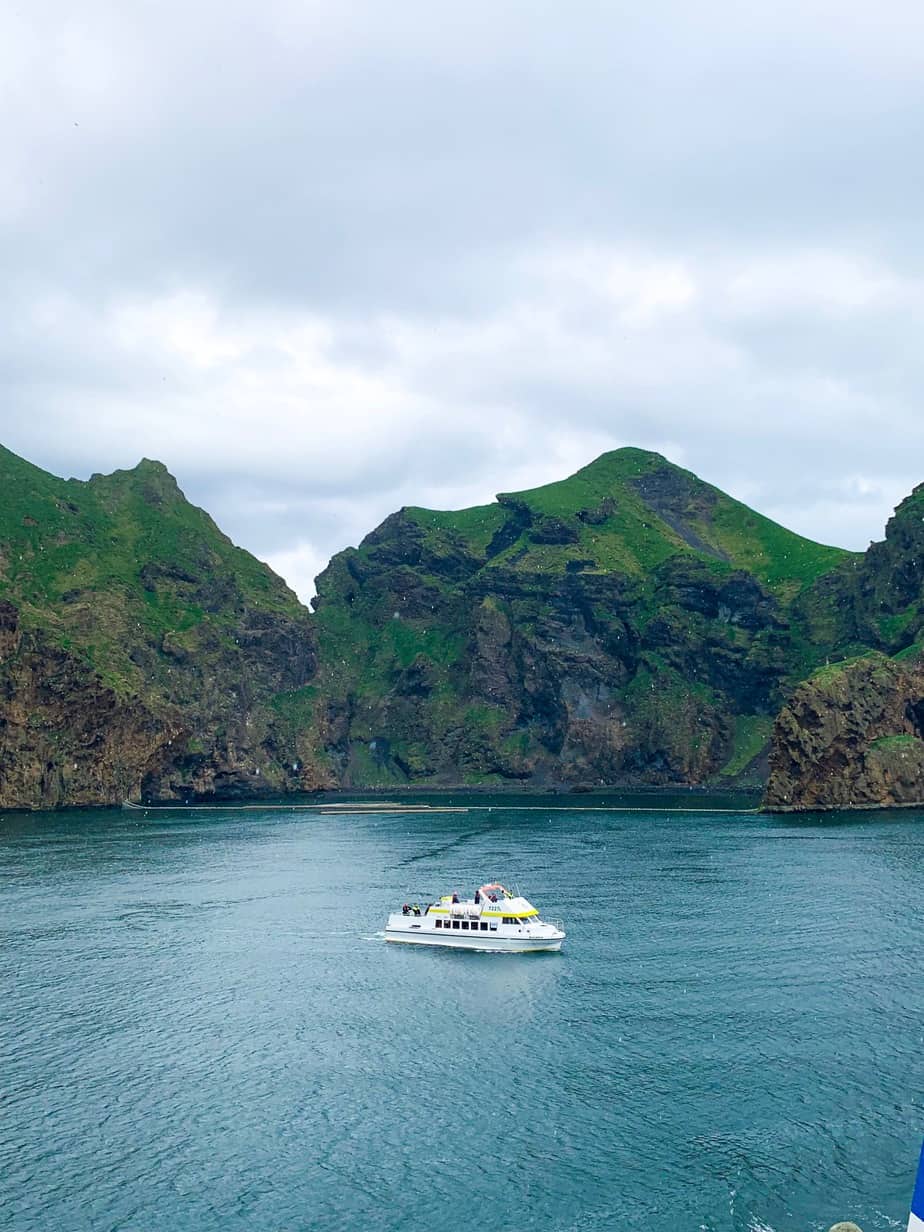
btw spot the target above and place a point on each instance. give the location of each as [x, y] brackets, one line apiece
[851, 736]
[553, 530]
[594, 632]
[628, 625]
[875, 601]
[141, 653]
[65, 738]
[682, 502]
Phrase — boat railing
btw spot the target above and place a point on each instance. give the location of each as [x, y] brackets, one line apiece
[559, 924]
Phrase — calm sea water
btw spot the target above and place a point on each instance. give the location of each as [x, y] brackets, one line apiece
[201, 1028]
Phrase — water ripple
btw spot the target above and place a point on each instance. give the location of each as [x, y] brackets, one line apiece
[196, 1033]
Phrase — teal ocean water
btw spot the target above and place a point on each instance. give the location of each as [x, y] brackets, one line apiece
[201, 1028]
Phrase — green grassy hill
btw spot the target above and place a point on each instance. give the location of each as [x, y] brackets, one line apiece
[97, 564]
[629, 511]
[629, 623]
[123, 600]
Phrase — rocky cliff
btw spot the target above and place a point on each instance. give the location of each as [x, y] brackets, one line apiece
[141, 653]
[629, 625]
[851, 735]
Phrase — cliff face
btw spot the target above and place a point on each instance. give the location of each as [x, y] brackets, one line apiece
[851, 736]
[628, 625]
[885, 591]
[141, 653]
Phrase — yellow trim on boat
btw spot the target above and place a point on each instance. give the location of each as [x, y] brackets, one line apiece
[493, 914]
[524, 915]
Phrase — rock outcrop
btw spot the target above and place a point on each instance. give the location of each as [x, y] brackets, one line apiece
[142, 655]
[629, 625]
[852, 736]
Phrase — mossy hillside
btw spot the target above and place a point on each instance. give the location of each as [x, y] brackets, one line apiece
[126, 612]
[629, 568]
[628, 511]
[751, 741]
[912, 652]
[873, 601]
[837, 682]
[472, 528]
[675, 512]
[629, 624]
[608, 524]
[102, 564]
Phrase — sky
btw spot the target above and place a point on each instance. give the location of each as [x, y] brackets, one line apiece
[327, 258]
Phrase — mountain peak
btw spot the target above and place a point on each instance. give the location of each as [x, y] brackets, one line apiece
[148, 479]
[151, 466]
[606, 475]
[626, 458]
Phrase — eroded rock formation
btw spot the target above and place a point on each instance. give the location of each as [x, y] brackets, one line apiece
[851, 737]
[630, 625]
[142, 655]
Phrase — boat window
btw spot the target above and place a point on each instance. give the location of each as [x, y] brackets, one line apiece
[484, 928]
[465, 923]
[493, 926]
[455, 923]
[439, 923]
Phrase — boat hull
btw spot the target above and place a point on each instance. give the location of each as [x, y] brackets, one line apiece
[490, 944]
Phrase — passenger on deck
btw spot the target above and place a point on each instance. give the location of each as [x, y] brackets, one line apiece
[417, 909]
[455, 897]
[477, 897]
[405, 910]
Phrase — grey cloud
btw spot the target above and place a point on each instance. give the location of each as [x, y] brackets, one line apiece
[329, 259]
[354, 168]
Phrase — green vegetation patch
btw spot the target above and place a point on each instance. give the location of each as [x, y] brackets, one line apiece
[832, 673]
[896, 743]
[474, 527]
[296, 706]
[408, 640]
[782, 560]
[121, 560]
[752, 734]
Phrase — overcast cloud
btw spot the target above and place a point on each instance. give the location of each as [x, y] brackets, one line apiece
[325, 259]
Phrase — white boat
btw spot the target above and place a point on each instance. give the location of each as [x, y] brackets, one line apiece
[494, 919]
